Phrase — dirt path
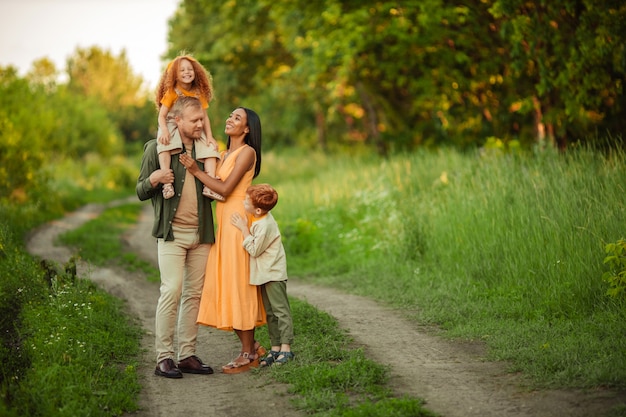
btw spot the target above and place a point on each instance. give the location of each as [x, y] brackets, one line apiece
[452, 377]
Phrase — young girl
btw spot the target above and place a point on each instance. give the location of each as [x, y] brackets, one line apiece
[185, 76]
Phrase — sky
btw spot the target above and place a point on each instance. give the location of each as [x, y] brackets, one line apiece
[53, 29]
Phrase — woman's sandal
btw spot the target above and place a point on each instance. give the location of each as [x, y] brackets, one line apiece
[269, 359]
[260, 350]
[234, 367]
[283, 357]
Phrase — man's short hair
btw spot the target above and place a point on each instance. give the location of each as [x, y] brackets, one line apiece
[184, 102]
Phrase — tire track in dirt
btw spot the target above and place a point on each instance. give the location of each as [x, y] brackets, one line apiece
[452, 377]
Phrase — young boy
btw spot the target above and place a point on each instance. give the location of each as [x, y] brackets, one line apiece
[268, 268]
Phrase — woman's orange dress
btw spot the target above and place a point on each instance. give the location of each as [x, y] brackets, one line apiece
[228, 300]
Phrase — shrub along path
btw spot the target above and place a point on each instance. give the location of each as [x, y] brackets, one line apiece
[452, 377]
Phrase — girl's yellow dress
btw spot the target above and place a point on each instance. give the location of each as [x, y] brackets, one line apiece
[228, 300]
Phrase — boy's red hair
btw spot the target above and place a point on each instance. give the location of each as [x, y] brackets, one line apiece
[263, 196]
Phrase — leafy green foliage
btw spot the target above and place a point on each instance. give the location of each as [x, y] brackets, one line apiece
[399, 75]
[122, 93]
[116, 85]
[67, 348]
[20, 161]
[48, 125]
[616, 275]
[41, 128]
[83, 354]
[560, 44]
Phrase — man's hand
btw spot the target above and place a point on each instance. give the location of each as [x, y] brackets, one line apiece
[162, 176]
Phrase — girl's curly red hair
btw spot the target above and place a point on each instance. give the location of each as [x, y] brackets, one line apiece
[202, 83]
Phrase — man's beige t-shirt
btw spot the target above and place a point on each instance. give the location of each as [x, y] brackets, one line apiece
[186, 215]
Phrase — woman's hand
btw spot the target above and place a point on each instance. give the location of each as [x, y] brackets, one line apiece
[189, 163]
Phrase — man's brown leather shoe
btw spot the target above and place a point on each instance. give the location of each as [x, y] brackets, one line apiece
[168, 369]
[193, 365]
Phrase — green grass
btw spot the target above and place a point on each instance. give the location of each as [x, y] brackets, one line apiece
[329, 377]
[98, 241]
[83, 355]
[67, 347]
[506, 249]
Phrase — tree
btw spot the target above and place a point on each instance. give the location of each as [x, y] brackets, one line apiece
[20, 161]
[44, 73]
[568, 58]
[100, 75]
[96, 73]
[399, 74]
[237, 42]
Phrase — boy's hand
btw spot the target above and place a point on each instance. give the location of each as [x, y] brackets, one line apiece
[238, 221]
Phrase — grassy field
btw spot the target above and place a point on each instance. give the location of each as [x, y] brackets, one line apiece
[497, 247]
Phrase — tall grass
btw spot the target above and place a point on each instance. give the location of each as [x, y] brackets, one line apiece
[499, 247]
[66, 347]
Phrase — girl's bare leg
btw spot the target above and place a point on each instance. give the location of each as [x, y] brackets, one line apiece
[165, 160]
[210, 165]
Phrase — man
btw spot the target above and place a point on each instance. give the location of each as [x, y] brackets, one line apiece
[183, 226]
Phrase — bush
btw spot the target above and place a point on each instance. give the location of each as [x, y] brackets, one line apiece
[616, 275]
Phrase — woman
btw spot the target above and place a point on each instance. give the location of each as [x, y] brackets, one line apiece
[228, 300]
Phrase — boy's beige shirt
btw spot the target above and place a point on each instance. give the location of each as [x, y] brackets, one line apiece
[267, 254]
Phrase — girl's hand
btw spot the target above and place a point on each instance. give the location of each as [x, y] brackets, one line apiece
[211, 141]
[164, 139]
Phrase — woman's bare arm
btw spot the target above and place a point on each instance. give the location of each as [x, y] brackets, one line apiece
[243, 163]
